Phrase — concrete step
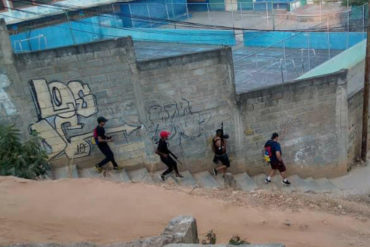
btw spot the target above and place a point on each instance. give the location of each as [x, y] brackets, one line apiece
[140, 176]
[63, 172]
[260, 181]
[206, 180]
[118, 176]
[90, 172]
[170, 179]
[326, 186]
[220, 180]
[314, 185]
[188, 179]
[244, 182]
[277, 181]
[302, 185]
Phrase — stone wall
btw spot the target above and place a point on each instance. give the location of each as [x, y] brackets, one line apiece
[311, 118]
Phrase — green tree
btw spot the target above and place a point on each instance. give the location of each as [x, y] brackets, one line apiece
[25, 160]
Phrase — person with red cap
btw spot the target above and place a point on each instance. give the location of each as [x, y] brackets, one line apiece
[164, 153]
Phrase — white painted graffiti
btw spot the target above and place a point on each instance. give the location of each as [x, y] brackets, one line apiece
[5, 101]
[60, 108]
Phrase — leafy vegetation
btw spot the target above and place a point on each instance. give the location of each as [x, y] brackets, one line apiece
[25, 160]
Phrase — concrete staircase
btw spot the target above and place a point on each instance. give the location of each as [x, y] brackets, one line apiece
[204, 179]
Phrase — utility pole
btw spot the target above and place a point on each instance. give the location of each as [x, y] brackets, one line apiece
[365, 114]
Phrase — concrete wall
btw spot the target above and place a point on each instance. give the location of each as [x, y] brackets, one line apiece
[355, 104]
[310, 116]
[60, 93]
[191, 96]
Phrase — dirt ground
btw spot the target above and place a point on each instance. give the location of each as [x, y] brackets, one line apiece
[92, 210]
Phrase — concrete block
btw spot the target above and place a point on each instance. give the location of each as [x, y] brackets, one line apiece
[90, 172]
[244, 182]
[182, 229]
[206, 180]
[326, 186]
[301, 184]
[118, 176]
[140, 176]
[170, 178]
[63, 172]
[188, 179]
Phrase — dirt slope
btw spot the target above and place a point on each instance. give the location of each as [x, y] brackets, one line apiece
[102, 211]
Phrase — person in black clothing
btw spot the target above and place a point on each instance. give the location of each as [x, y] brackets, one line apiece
[219, 148]
[102, 141]
[276, 160]
[164, 153]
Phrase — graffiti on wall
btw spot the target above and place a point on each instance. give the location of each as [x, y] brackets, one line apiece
[60, 108]
[5, 101]
[178, 118]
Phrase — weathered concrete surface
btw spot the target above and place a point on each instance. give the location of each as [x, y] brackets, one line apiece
[310, 116]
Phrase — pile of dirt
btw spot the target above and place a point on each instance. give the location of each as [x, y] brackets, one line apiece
[93, 210]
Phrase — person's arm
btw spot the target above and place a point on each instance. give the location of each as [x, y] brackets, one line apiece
[278, 156]
[100, 139]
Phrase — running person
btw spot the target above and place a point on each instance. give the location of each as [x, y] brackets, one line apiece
[102, 141]
[219, 148]
[276, 160]
[164, 153]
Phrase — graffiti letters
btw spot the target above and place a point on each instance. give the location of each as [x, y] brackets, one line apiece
[5, 101]
[60, 108]
[178, 118]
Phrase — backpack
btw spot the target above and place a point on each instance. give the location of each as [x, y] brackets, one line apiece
[268, 152]
[94, 139]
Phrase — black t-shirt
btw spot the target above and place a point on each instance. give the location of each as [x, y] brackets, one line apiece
[101, 132]
[163, 147]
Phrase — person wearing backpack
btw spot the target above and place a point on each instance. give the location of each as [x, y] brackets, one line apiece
[102, 141]
[273, 156]
[164, 153]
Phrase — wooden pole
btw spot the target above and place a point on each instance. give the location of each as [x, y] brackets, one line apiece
[365, 113]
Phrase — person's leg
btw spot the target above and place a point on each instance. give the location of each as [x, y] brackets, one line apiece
[110, 155]
[174, 166]
[271, 174]
[282, 170]
[107, 157]
[168, 170]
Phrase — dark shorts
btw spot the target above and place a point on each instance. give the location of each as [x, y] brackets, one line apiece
[223, 158]
[278, 165]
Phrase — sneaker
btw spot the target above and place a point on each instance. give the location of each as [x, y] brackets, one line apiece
[267, 180]
[179, 175]
[98, 169]
[286, 182]
[117, 168]
[163, 178]
[214, 171]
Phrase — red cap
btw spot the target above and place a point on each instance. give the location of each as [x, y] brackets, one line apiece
[164, 134]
